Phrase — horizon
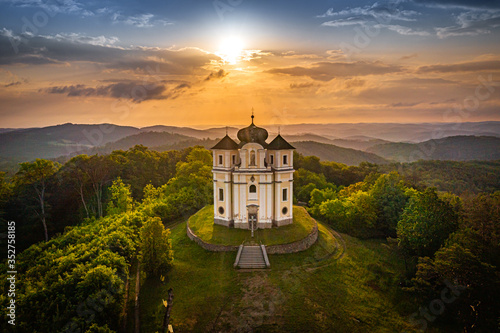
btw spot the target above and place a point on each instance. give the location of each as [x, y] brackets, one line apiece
[219, 126]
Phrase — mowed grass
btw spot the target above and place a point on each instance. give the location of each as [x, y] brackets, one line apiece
[202, 224]
[322, 289]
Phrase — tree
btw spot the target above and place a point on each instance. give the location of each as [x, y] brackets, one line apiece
[36, 174]
[121, 198]
[99, 170]
[74, 174]
[156, 247]
[425, 224]
[388, 192]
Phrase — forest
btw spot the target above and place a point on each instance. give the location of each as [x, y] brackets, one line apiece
[82, 225]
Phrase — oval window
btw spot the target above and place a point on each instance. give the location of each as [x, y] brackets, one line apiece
[284, 210]
[221, 210]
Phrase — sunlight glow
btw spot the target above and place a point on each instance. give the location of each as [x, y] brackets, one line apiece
[231, 50]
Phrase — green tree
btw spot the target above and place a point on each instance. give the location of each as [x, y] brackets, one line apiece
[425, 224]
[35, 174]
[388, 192]
[121, 198]
[156, 247]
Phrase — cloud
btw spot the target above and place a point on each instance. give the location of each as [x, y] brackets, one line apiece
[12, 84]
[66, 48]
[303, 85]
[344, 22]
[216, 75]
[354, 83]
[471, 66]
[136, 91]
[380, 12]
[409, 56]
[140, 20]
[403, 104]
[83, 39]
[53, 7]
[406, 31]
[471, 23]
[460, 3]
[326, 71]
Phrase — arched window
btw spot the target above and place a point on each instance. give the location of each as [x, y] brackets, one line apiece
[253, 189]
[252, 158]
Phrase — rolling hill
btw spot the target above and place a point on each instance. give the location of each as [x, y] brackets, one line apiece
[53, 141]
[327, 152]
[457, 148]
[148, 139]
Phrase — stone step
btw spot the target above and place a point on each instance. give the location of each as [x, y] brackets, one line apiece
[251, 257]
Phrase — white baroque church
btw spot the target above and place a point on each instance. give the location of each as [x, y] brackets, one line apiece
[253, 180]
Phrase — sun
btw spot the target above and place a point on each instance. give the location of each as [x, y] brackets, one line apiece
[231, 49]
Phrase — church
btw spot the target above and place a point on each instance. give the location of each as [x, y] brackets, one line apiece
[253, 180]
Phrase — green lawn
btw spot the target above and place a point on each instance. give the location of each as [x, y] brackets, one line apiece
[322, 289]
[202, 224]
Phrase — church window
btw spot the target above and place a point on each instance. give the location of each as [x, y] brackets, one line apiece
[252, 158]
[220, 159]
[253, 189]
[285, 159]
[271, 158]
[221, 194]
[234, 159]
[285, 194]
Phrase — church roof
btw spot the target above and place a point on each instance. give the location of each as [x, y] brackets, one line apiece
[226, 143]
[279, 143]
[253, 133]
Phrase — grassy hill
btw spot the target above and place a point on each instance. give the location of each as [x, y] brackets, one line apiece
[457, 148]
[355, 290]
[327, 152]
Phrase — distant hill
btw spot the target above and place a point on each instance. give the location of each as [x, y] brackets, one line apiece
[148, 139]
[327, 152]
[211, 133]
[417, 132]
[359, 144]
[457, 148]
[53, 141]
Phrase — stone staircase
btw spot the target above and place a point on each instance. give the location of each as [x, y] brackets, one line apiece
[252, 257]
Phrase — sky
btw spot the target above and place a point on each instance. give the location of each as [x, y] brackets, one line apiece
[204, 63]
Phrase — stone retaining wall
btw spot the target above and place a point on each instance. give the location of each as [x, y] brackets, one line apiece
[297, 246]
[208, 246]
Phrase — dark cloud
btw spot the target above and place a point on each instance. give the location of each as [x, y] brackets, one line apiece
[326, 71]
[471, 66]
[354, 83]
[216, 75]
[135, 91]
[403, 104]
[62, 49]
[303, 85]
[13, 84]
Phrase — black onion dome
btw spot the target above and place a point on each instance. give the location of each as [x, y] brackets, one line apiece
[253, 133]
[226, 143]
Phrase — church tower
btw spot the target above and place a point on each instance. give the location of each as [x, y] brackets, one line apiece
[253, 180]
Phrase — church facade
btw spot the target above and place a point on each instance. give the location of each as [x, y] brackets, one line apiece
[253, 180]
